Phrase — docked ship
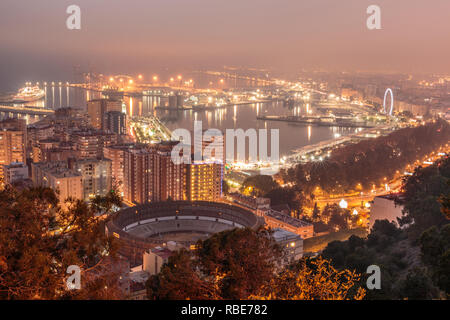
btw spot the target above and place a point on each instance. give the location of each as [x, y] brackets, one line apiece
[29, 94]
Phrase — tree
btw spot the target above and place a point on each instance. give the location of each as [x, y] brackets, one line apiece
[416, 286]
[434, 245]
[225, 187]
[338, 221]
[445, 203]
[179, 279]
[330, 211]
[313, 279]
[383, 234]
[316, 213]
[288, 196]
[242, 264]
[39, 240]
[242, 259]
[106, 204]
[391, 248]
[369, 162]
[351, 254]
[258, 185]
[388, 247]
[230, 265]
[421, 192]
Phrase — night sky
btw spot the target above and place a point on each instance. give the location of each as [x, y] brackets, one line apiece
[140, 36]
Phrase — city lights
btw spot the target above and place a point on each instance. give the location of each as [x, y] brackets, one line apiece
[228, 151]
[343, 204]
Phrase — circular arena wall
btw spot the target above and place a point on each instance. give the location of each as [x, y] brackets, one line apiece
[146, 226]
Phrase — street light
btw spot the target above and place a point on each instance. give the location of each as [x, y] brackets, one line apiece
[343, 204]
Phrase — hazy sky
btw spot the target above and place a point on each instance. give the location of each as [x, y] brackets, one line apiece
[131, 36]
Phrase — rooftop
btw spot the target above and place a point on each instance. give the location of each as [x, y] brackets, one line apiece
[15, 165]
[287, 219]
[164, 253]
[284, 235]
[57, 169]
[138, 276]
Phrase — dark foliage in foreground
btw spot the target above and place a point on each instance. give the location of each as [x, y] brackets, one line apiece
[39, 240]
[242, 264]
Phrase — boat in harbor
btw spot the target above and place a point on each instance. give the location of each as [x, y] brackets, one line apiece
[29, 94]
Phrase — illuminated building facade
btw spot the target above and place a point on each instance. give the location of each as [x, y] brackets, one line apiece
[98, 108]
[275, 219]
[12, 142]
[116, 155]
[58, 176]
[116, 122]
[168, 177]
[90, 143]
[96, 176]
[150, 175]
[138, 175]
[204, 181]
[291, 243]
[15, 172]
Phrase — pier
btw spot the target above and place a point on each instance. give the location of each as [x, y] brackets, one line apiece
[320, 121]
[31, 114]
